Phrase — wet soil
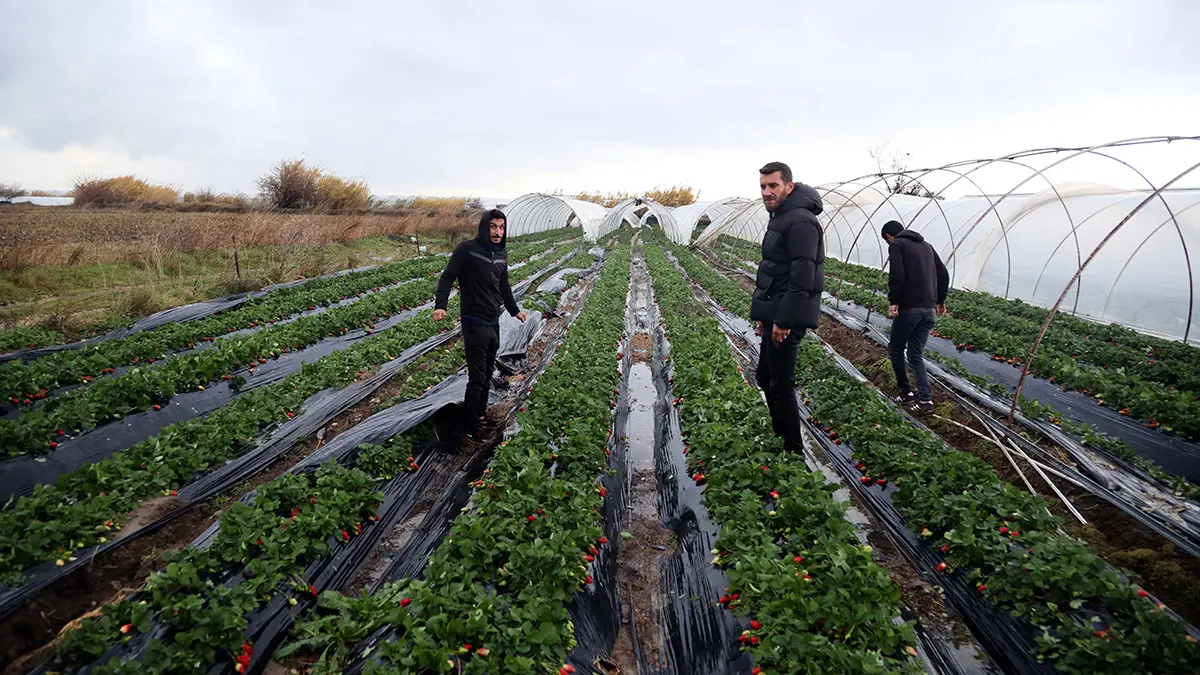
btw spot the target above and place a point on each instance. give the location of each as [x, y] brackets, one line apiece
[638, 575]
[1167, 573]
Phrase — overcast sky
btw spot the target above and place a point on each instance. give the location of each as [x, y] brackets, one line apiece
[499, 99]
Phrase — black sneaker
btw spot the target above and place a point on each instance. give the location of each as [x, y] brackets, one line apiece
[905, 398]
[920, 407]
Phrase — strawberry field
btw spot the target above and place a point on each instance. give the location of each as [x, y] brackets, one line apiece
[281, 486]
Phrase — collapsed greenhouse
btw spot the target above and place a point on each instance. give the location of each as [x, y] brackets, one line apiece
[632, 511]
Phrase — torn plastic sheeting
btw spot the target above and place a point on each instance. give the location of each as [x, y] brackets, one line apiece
[180, 314]
[269, 624]
[1174, 454]
[326, 402]
[411, 561]
[1123, 486]
[20, 475]
[318, 411]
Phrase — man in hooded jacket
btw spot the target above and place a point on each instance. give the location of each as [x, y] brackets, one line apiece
[917, 287]
[480, 266]
[787, 294]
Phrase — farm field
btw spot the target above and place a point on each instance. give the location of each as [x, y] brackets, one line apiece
[276, 484]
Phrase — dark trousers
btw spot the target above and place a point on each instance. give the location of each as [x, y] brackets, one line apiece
[776, 376]
[910, 331]
[480, 341]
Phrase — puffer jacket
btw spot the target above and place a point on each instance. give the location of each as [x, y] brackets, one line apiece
[791, 275]
[481, 269]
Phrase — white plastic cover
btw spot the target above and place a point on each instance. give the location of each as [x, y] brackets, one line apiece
[692, 215]
[1147, 276]
[536, 212]
[627, 210]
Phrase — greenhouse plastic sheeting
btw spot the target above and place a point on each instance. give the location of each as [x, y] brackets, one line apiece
[627, 211]
[1147, 276]
[691, 216]
[536, 212]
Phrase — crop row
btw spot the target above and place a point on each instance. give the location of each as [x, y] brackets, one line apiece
[87, 505]
[22, 382]
[1111, 347]
[494, 594]
[975, 323]
[1001, 538]
[819, 602]
[145, 387]
[204, 595]
[1089, 619]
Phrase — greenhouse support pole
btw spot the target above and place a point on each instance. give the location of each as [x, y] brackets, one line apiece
[1012, 411]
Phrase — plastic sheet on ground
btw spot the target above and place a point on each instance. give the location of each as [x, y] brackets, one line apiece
[1120, 484]
[318, 411]
[938, 653]
[269, 624]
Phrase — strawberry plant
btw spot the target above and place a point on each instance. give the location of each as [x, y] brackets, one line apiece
[85, 508]
[502, 579]
[69, 367]
[1001, 537]
[143, 387]
[788, 549]
[198, 597]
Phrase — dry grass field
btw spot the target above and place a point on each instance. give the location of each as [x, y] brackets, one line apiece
[67, 271]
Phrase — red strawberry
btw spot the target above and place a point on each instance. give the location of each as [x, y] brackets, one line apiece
[589, 558]
[724, 599]
[291, 414]
[757, 670]
[1142, 593]
[603, 492]
[404, 602]
[588, 580]
[569, 668]
[774, 495]
[530, 518]
[753, 639]
[798, 559]
[602, 541]
[941, 567]
[240, 668]
[345, 535]
[945, 549]
[735, 596]
[981, 588]
[313, 590]
[126, 628]
[865, 480]
[755, 624]
[53, 444]
[260, 542]
[1014, 534]
[1004, 530]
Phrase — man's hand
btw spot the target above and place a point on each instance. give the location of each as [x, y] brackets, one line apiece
[521, 316]
[893, 311]
[758, 328]
[778, 335]
[439, 314]
[941, 310]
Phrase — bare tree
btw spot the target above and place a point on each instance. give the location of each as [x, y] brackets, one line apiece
[290, 185]
[894, 165]
[10, 190]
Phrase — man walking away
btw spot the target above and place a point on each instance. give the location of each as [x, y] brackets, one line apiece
[480, 266]
[917, 288]
[787, 294]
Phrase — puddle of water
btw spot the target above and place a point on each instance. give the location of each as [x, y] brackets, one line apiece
[640, 427]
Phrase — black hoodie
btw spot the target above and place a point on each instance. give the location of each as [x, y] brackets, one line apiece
[791, 275]
[916, 276]
[481, 269]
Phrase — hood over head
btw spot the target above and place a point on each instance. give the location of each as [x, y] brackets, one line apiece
[910, 234]
[485, 236]
[803, 197]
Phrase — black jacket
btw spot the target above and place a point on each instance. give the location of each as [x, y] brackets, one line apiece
[481, 270]
[916, 276]
[791, 275]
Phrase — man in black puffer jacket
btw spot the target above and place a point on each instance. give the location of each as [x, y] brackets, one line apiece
[787, 295]
[481, 267]
[917, 286]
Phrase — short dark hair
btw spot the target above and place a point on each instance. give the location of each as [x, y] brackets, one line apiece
[892, 227]
[493, 214]
[785, 171]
